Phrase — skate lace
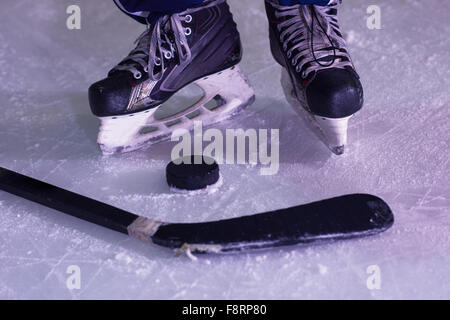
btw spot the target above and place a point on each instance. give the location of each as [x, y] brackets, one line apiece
[163, 41]
[309, 47]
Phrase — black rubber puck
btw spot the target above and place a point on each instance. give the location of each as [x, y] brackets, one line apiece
[192, 173]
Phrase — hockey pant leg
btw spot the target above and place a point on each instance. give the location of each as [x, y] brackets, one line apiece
[147, 10]
[315, 2]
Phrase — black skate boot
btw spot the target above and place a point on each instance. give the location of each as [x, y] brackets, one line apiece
[200, 45]
[318, 74]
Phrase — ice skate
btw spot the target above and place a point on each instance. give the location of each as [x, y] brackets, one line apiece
[319, 78]
[198, 46]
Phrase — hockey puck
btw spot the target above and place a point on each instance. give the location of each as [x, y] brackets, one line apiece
[192, 173]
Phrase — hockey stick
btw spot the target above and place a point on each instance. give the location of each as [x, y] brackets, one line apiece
[343, 217]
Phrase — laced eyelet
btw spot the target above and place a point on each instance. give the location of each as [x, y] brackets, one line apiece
[304, 75]
[188, 31]
[168, 55]
[137, 75]
[297, 68]
[146, 69]
[289, 54]
[188, 18]
[157, 62]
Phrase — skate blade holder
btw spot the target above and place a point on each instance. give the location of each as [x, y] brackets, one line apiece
[228, 89]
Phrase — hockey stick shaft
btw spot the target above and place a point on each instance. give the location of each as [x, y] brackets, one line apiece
[65, 201]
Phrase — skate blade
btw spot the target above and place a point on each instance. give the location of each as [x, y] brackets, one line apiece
[229, 90]
[332, 132]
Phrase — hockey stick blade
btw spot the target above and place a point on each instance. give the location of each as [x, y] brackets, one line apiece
[344, 217]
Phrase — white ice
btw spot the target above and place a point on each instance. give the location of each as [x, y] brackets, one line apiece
[398, 149]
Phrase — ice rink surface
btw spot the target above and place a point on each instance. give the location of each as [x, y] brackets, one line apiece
[398, 149]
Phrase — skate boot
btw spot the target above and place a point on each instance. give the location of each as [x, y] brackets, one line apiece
[200, 45]
[318, 75]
